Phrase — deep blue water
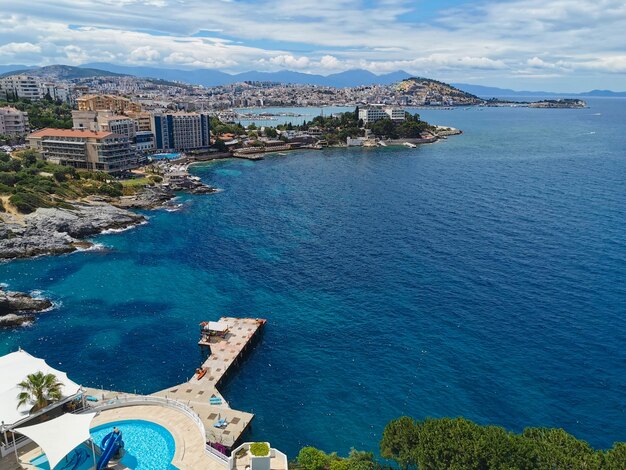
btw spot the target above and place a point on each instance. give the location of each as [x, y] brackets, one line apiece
[482, 276]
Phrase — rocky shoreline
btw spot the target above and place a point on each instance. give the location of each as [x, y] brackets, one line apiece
[54, 231]
[17, 308]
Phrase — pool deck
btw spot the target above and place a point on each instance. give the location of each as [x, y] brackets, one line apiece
[189, 453]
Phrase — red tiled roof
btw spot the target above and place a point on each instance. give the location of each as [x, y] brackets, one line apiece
[50, 132]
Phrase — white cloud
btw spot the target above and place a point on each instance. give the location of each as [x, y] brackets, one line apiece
[17, 48]
[144, 54]
[486, 38]
[330, 62]
[289, 61]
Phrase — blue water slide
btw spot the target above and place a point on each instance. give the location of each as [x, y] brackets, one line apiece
[111, 443]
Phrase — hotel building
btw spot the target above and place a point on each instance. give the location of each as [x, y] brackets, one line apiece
[85, 149]
[372, 114]
[181, 131]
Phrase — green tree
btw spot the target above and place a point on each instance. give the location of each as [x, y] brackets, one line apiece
[311, 458]
[400, 441]
[39, 389]
[615, 458]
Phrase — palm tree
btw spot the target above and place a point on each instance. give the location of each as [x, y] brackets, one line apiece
[39, 389]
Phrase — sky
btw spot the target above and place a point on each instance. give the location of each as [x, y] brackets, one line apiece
[552, 45]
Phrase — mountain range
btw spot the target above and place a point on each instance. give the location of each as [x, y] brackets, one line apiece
[211, 77]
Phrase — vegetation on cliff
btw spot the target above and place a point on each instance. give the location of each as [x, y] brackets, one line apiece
[460, 444]
[28, 182]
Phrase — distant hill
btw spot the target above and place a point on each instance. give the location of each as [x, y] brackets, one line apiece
[494, 92]
[428, 91]
[211, 77]
[63, 72]
[4, 69]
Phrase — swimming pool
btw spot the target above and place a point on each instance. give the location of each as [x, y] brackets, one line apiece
[148, 445]
[165, 156]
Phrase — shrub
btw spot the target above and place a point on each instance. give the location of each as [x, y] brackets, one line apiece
[259, 449]
[111, 189]
[8, 178]
[27, 202]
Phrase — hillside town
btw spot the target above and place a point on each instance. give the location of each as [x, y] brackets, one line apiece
[115, 123]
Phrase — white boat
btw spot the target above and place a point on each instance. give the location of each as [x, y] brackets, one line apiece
[381, 143]
[409, 145]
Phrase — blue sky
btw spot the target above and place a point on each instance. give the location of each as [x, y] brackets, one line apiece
[560, 45]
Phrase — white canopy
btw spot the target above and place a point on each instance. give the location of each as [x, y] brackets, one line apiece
[14, 368]
[59, 436]
[216, 326]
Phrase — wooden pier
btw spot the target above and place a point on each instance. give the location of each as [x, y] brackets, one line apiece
[226, 349]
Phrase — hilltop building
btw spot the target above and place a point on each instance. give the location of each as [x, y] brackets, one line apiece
[117, 104]
[13, 121]
[85, 149]
[21, 86]
[373, 113]
[181, 131]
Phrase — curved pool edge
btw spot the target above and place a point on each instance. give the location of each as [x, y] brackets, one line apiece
[189, 446]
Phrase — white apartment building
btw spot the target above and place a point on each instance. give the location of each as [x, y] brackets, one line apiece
[372, 114]
[21, 86]
[13, 121]
[56, 92]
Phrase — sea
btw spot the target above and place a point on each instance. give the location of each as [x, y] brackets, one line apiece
[481, 276]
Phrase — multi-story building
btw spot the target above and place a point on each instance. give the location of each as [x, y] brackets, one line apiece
[13, 121]
[122, 125]
[396, 114]
[372, 114]
[56, 92]
[144, 141]
[143, 120]
[21, 86]
[368, 115]
[85, 149]
[181, 131]
[117, 104]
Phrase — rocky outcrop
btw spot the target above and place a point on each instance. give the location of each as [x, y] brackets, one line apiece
[17, 308]
[56, 230]
[149, 198]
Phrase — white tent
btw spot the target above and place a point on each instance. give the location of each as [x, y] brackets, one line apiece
[14, 368]
[219, 326]
[59, 436]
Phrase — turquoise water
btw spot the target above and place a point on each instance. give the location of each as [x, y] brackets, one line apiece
[147, 445]
[80, 458]
[482, 276]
